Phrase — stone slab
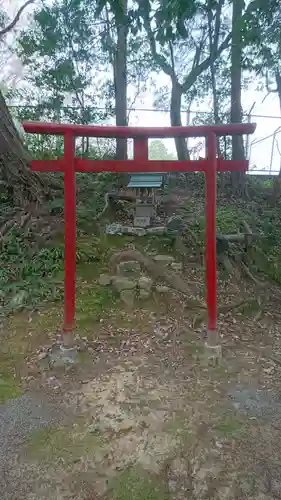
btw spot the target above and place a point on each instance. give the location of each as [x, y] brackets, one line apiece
[142, 221]
[144, 210]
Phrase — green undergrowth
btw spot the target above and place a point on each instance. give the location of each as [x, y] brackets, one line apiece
[30, 276]
[264, 221]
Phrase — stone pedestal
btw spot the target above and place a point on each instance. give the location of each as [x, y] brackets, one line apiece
[143, 215]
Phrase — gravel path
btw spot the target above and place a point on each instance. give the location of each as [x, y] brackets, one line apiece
[18, 419]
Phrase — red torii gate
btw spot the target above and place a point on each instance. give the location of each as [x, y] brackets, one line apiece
[69, 164]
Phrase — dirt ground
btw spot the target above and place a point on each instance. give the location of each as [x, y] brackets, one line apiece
[141, 416]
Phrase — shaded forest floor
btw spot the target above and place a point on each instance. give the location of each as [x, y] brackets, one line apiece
[141, 416]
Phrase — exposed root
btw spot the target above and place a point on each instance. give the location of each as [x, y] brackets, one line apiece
[250, 275]
[200, 318]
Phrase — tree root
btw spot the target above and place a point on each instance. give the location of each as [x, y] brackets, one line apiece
[250, 275]
[200, 318]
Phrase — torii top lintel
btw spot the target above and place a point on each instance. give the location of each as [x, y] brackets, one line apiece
[135, 132]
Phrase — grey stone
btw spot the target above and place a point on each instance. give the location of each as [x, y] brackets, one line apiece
[134, 231]
[144, 210]
[61, 356]
[19, 299]
[113, 228]
[142, 221]
[177, 266]
[157, 230]
[162, 289]
[128, 297]
[129, 266]
[144, 294]
[105, 280]
[164, 259]
[145, 283]
[121, 283]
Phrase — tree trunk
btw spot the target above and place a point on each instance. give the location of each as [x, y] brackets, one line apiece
[276, 191]
[237, 178]
[175, 117]
[120, 78]
[16, 179]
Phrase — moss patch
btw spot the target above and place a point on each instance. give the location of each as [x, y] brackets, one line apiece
[57, 443]
[92, 303]
[137, 484]
[9, 388]
[230, 427]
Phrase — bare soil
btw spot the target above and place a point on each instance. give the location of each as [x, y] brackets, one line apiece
[141, 416]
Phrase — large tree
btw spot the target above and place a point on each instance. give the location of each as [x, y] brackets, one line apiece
[236, 89]
[114, 38]
[63, 61]
[17, 181]
[179, 35]
[262, 39]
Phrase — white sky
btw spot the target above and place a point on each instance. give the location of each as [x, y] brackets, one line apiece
[259, 153]
[264, 155]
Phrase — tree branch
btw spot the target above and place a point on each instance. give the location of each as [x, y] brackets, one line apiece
[16, 18]
[197, 70]
[159, 59]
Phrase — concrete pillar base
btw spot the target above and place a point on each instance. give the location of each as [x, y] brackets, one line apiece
[62, 356]
[212, 348]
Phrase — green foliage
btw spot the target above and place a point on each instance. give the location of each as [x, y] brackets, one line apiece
[158, 151]
[229, 218]
[62, 55]
[35, 273]
[262, 38]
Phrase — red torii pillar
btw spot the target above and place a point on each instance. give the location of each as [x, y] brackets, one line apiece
[69, 164]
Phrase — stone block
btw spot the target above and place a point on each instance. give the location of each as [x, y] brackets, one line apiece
[128, 297]
[121, 283]
[128, 267]
[164, 259]
[157, 230]
[144, 294]
[105, 280]
[177, 266]
[162, 289]
[113, 228]
[134, 231]
[145, 283]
